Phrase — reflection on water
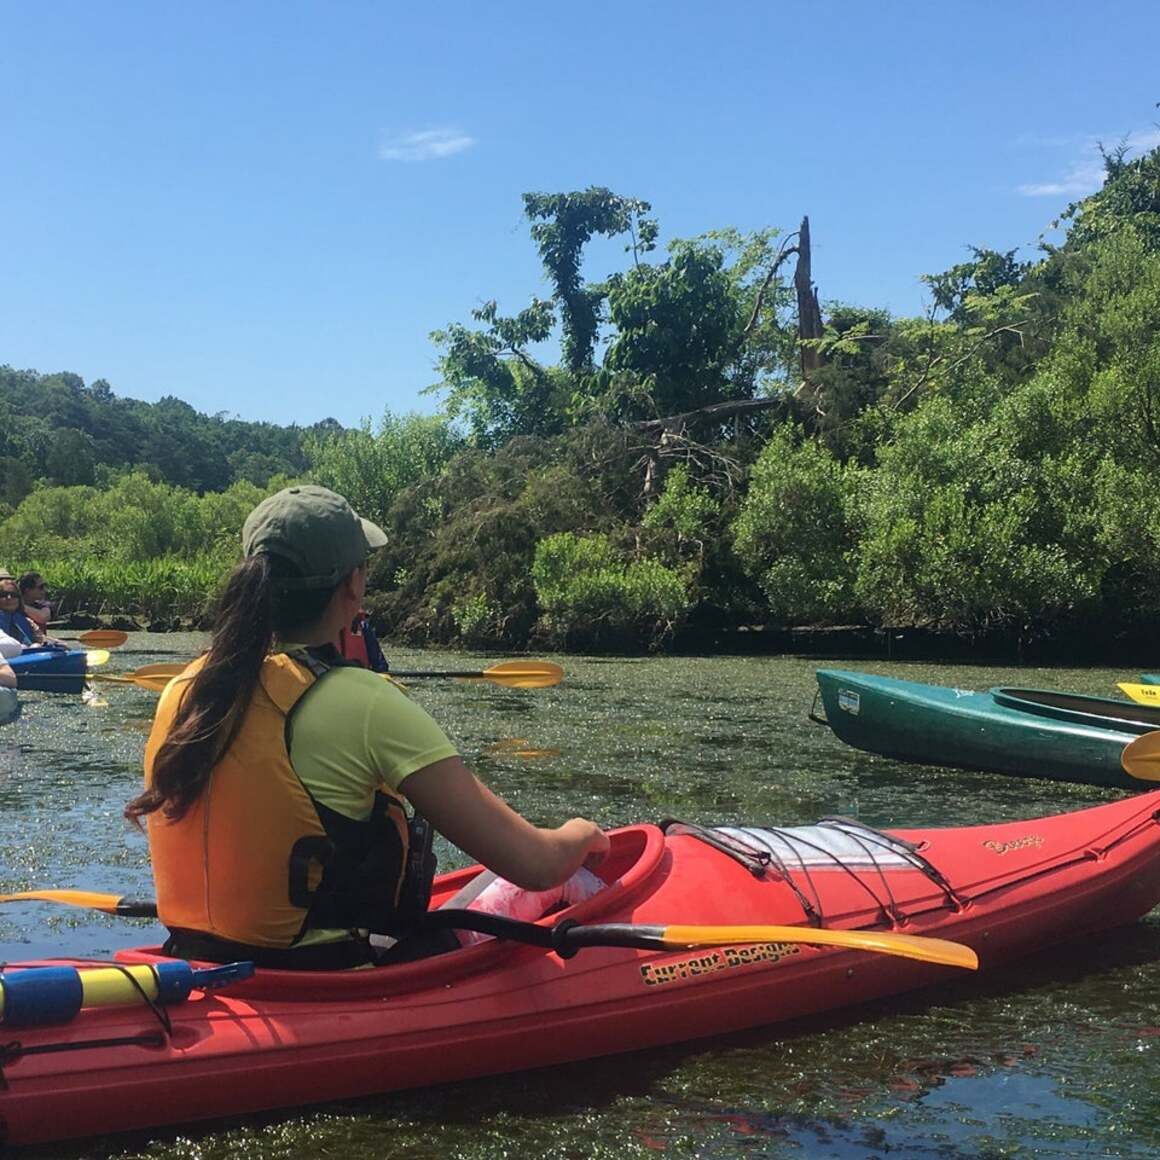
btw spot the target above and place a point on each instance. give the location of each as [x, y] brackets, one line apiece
[1056, 1056]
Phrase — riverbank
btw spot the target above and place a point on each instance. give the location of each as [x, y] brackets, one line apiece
[1137, 646]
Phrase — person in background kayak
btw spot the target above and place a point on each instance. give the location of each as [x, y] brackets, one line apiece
[34, 593]
[358, 643]
[13, 621]
[276, 776]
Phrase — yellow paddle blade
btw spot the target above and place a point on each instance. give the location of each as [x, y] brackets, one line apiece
[519, 747]
[107, 903]
[1143, 694]
[102, 638]
[151, 683]
[907, 946]
[522, 674]
[1141, 758]
[513, 674]
[508, 745]
[165, 669]
[96, 657]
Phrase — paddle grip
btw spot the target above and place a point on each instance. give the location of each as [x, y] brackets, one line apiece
[136, 908]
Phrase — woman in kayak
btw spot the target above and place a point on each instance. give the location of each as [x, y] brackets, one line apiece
[276, 775]
[34, 593]
[13, 621]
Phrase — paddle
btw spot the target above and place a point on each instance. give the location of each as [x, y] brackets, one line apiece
[519, 747]
[1143, 694]
[89, 899]
[151, 677]
[513, 674]
[154, 678]
[100, 638]
[567, 939]
[1141, 758]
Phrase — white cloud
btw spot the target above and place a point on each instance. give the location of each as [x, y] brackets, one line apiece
[1086, 173]
[425, 145]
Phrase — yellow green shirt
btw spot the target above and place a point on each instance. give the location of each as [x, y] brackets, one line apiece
[357, 731]
[353, 732]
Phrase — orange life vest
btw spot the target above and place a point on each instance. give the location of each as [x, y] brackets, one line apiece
[256, 860]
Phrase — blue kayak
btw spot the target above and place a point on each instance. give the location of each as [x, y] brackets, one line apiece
[51, 670]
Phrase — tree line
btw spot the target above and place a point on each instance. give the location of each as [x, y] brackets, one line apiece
[707, 448]
[58, 431]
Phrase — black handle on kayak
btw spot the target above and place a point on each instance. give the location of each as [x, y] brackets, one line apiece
[512, 929]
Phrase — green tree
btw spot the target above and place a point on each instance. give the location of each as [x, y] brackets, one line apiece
[70, 459]
[494, 383]
[676, 330]
[372, 466]
[562, 225]
[797, 531]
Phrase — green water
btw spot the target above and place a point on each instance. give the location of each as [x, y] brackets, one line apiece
[1058, 1056]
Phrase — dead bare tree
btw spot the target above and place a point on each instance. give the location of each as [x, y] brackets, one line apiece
[671, 432]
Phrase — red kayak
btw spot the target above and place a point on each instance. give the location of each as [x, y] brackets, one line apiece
[290, 1038]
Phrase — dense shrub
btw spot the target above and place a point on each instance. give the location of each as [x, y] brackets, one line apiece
[135, 546]
[796, 532]
[592, 595]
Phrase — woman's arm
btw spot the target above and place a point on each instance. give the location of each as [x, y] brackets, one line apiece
[485, 827]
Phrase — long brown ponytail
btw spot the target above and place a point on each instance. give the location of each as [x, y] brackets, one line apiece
[252, 608]
[213, 705]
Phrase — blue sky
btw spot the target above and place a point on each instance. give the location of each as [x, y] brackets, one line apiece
[265, 208]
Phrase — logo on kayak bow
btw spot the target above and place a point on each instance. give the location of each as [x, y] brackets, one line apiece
[658, 974]
[1014, 844]
[849, 701]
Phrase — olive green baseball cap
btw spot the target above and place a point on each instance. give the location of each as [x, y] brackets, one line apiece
[316, 530]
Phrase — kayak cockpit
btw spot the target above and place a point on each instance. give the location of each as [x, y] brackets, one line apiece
[1070, 706]
[635, 854]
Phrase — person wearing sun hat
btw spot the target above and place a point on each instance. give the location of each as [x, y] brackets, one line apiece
[278, 778]
[14, 622]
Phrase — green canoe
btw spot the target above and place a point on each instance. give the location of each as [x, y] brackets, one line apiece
[1026, 732]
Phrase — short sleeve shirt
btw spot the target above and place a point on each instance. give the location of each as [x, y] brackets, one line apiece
[355, 732]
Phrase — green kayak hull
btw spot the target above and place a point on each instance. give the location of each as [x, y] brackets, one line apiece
[1024, 732]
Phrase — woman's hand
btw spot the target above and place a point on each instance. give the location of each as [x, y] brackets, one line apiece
[591, 837]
